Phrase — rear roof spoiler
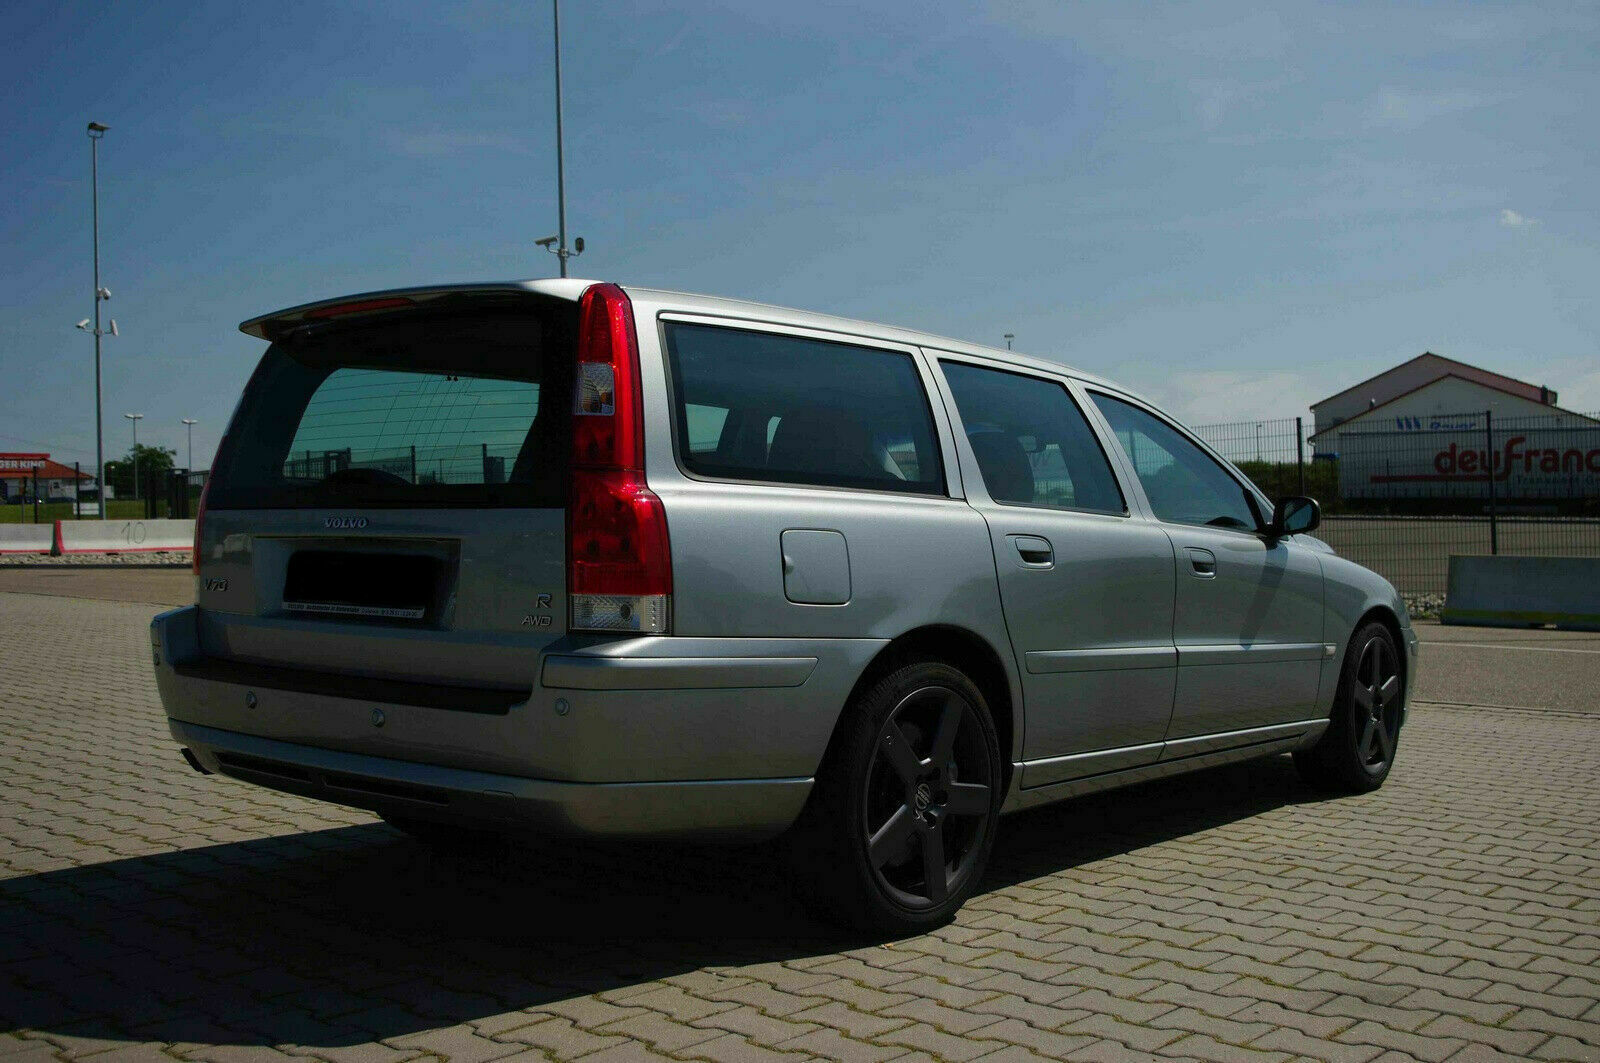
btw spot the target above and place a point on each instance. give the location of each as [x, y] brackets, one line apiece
[274, 325]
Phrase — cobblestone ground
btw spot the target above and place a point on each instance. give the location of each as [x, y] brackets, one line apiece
[151, 913]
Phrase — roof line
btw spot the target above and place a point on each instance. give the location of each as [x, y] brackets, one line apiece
[1442, 358]
[1429, 384]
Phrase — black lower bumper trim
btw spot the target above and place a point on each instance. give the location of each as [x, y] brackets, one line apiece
[491, 701]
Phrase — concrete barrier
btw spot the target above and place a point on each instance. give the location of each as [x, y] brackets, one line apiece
[1524, 592]
[26, 538]
[123, 536]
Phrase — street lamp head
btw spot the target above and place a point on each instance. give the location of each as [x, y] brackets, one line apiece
[84, 324]
[113, 326]
[103, 293]
[96, 130]
[577, 246]
[133, 416]
[546, 242]
[190, 420]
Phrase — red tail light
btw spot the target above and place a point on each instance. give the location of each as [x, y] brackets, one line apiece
[619, 563]
[200, 520]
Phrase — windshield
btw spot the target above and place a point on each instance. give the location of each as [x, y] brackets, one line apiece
[465, 410]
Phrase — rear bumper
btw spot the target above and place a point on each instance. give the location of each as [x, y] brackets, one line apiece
[733, 809]
[658, 735]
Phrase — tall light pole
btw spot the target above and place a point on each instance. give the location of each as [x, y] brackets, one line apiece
[1258, 441]
[561, 251]
[134, 417]
[96, 131]
[1009, 337]
[189, 423]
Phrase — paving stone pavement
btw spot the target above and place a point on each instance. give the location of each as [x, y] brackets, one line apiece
[149, 913]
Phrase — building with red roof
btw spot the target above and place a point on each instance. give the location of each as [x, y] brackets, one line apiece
[17, 473]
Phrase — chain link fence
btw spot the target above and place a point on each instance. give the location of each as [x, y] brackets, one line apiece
[1401, 499]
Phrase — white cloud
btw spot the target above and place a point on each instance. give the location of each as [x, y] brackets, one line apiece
[1218, 396]
[443, 142]
[1402, 108]
[1513, 220]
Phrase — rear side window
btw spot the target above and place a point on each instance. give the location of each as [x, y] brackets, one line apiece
[757, 406]
[460, 411]
[1033, 445]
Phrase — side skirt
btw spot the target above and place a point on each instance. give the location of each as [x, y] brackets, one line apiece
[1177, 758]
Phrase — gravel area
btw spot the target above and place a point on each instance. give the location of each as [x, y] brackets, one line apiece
[151, 559]
[1424, 606]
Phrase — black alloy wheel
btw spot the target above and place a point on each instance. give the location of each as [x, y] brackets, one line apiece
[927, 792]
[902, 818]
[1376, 694]
[1357, 751]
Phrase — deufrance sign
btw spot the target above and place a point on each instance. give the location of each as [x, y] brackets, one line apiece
[1526, 463]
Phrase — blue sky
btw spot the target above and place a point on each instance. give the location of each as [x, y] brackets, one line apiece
[1236, 209]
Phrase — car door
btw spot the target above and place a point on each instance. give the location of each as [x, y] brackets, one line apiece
[1086, 587]
[1247, 618]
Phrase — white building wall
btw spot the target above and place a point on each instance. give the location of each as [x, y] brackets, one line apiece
[1431, 408]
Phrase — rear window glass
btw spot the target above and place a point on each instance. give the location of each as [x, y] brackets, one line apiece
[757, 406]
[462, 411]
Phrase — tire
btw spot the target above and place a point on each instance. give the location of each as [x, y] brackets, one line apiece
[899, 827]
[1356, 753]
[443, 836]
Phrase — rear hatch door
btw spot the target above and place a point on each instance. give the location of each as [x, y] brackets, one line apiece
[389, 501]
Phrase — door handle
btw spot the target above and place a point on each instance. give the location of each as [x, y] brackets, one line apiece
[1203, 563]
[1034, 550]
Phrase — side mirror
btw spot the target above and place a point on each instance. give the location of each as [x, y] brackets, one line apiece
[1294, 515]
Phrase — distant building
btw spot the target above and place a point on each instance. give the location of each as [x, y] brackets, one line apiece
[1420, 430]
[17, 473]
[1413, 395]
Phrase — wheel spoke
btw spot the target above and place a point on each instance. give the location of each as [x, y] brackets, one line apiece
[1386, 740]
[889, 841]
[944, 739]
[901, 757]
[1363, 696]
[1368, 667]
[968, 799]
[1364, 746]
[933, 865]
[1389, 689]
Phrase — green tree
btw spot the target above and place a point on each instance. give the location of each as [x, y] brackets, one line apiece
[154, 464]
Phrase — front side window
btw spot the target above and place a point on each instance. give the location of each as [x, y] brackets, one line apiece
[1033, 445]
[757, 406]
[1183, 483]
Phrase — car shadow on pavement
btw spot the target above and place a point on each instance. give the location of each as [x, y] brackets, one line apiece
[342, 936]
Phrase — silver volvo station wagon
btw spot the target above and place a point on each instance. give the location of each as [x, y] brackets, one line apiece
[570, 557]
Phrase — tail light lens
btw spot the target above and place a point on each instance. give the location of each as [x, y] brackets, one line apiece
[199, 522]
[619, 562]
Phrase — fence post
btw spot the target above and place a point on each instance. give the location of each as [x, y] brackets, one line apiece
[1300, 452]
[1488, 436]
[36, 494]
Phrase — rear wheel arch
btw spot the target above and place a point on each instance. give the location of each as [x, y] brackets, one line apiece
[961, 648]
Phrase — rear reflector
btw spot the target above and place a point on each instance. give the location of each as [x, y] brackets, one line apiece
[619, 561]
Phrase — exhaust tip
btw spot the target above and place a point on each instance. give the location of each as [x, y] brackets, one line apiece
[194, 761]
